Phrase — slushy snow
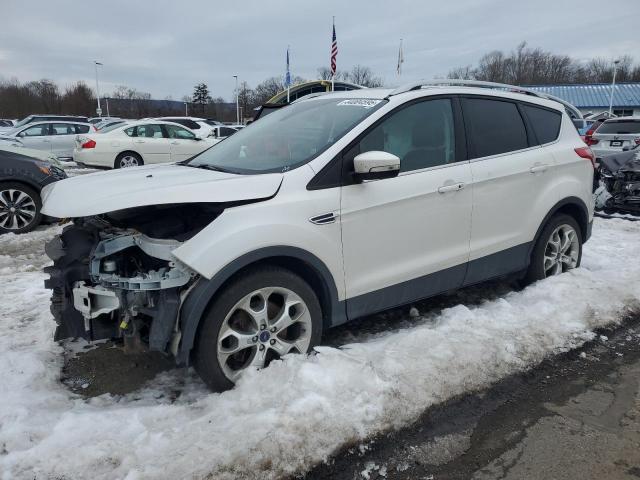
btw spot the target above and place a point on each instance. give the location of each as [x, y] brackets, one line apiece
[294, 414]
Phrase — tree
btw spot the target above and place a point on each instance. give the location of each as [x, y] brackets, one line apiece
[324, 73]
[201, 96]
[361, 75]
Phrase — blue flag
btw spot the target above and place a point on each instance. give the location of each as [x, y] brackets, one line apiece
[287, 77]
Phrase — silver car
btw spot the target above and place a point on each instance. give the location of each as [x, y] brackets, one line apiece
[57, 137]
[615, 135]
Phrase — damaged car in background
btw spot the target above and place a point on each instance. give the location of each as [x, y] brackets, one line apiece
[619, 189]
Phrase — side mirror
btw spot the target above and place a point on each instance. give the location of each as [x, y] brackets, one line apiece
[375, 165]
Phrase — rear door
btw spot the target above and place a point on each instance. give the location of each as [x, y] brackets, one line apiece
[183, 143]
[151, 143]
[36, 136]
[63, 139]
[509, 173]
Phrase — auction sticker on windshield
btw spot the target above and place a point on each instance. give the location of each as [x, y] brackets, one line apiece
[360, 102]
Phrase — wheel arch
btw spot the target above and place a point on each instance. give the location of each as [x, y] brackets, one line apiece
[123, 152]
[309, 267]
[572, 206]
[23, 180]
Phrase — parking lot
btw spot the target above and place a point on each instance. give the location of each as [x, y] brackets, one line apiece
[369, 378]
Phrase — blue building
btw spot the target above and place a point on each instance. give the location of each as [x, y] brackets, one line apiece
[594, 98]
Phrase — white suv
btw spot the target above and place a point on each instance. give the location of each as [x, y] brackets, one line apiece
[337, 206]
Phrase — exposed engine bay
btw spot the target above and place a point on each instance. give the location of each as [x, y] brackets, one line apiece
[114, 275]
[620, 182]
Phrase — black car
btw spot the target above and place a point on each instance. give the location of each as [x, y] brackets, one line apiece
[21, 180]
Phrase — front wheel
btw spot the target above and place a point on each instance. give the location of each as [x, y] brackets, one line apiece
[558, 249]
[259, 317]
[19, 208]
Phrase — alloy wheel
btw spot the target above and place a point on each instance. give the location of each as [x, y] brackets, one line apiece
[17, 209]
[129, 161]
[264, 325]
[562, 251]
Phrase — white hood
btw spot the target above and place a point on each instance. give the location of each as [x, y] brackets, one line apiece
[104, 192]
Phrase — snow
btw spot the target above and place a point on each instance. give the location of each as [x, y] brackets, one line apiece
[294, 414]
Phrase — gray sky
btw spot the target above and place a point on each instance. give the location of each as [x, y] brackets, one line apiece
[166, 47]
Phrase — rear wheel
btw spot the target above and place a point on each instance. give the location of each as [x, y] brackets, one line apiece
[558, 249]
[128, 159]
[258, 318]
[19, 208]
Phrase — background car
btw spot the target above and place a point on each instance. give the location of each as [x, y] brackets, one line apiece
[6, 123]
[10, 141]
[223, 131]
[201, 127]
[614, 135]
[44, 118]
[109, 123]
[22, 178]
[139, 143]
[57, 137]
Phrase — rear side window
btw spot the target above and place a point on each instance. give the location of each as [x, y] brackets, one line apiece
[82, 128]
[545, 123]
[63, 129]
[619, 127]
[494, 126]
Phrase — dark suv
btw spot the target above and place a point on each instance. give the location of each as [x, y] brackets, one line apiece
[21, 179]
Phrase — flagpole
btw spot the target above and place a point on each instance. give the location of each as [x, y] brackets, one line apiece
[289, 76]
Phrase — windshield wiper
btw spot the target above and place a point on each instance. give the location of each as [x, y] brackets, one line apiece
[205, 166]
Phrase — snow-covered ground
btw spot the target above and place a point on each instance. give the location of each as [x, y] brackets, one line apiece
[284, 419]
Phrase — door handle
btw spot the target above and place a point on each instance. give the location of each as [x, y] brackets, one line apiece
[451, 188]
[46, 140]
[175, 143]
[139, 141]
[538, 168]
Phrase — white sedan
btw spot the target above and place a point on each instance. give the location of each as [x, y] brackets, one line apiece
[139, 143]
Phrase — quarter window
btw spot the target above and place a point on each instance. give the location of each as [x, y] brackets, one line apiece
[422, 135]
[545, 123]
[495, 126]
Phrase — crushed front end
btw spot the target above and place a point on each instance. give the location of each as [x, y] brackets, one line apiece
[114, 276]
[623, 184]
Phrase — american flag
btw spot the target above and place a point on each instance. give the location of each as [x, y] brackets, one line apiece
[334, 51]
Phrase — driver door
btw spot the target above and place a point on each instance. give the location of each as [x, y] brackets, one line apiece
[36, 137]
[407, 237]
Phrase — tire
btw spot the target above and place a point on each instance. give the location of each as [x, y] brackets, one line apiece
[20, 207]
[230, 339]
[128, 159]
[542, 263]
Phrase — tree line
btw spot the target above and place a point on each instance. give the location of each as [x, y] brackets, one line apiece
[534, 66]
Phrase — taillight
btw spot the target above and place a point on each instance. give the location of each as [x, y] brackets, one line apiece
[587, 154]
[637, 140]
[589, 140]
[89, 144]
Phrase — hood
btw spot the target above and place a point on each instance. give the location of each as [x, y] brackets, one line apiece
[104, 192]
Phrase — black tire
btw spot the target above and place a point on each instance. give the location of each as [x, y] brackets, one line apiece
[205, 354]
[119, 162]
[30, 214]
[536, 270]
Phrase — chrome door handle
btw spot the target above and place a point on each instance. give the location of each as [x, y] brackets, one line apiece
[538, 168]
[451, 188]
[139, 141]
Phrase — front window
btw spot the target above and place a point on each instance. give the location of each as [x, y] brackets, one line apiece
[178, 132]
[288, 138]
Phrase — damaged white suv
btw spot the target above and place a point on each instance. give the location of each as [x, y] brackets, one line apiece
[335, 207]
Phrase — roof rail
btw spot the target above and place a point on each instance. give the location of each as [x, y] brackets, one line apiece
[572, 111]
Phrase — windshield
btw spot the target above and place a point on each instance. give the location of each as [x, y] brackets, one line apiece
[288, 138]
[24, 121]
[620, 127]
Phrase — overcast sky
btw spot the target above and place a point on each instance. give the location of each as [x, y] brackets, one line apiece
[166, 47]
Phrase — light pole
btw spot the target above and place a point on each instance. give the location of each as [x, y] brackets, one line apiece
[98, 110]
[237, 104]
[186, 109]
[613, 86]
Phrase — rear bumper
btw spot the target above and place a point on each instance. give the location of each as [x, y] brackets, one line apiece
[88, 156]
